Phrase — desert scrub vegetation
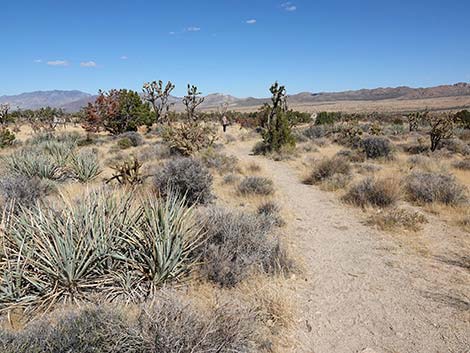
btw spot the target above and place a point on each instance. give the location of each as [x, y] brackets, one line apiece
[218, 161]
[237, 245]
[327, 168]
[255, 185]
[171, 323]
[19, 191]
[272, 211]
[380, 192]
[109, 244]
[32, 164]
[463, 164]
[397, 218]
[426, 187]
[186, 176]
[377, 147]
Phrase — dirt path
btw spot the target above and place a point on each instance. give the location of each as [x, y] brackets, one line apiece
[361, 290]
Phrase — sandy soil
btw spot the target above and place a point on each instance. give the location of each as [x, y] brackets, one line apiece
[362, 290]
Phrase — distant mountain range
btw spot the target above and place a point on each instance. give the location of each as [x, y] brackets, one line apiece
[72, 101]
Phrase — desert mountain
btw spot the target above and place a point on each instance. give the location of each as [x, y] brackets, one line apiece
[74, 100]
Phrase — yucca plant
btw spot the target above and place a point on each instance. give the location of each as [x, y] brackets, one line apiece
[63, 256]
[85, 166]
[31, 164]
[61, 152]
[161, 245]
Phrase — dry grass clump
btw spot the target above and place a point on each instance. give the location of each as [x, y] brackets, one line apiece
[354, 156]
[254, 185]
[327, 168]
[398, 218]
[271, 210]
[154, 152]
[463, 164]
[238, 245]
[186, 176]
[253, 167]
[424, 187]
[381, 192]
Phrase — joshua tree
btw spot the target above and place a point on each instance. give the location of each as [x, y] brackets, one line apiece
[158, 97]
[442, 127]
[277, 131]
[4, 109]
[414, 119]
[191, 101]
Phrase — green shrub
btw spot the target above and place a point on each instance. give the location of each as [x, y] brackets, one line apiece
[6, 138]
[124, 143]
[326, 118]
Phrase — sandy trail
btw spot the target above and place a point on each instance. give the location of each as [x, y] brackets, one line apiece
[361, 289]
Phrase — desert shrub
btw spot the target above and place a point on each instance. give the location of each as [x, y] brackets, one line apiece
[89, 329]
[395, 129]
[423, 187]
[127, 173]
[23, 191]
[260, 148]
[327, 168]
[377, 147]
[219, 161]
[124, 143]
[156, 151]
[314, 132]
[272, 211]
[335, 182]
[354, 156]
[253, 167]
[441, 127]
[398, 218]
[171, 323]
[7, 137]
[455, 146]
[238, 244]
[463, 164]
[373, 192]
[134, 138]
[327, 118]
[32, 164]
[256, 186]
[231, 178]
[186, 176]
[417, 147]
[85, 166]
[366, 168]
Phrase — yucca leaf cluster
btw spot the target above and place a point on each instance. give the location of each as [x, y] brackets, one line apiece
[110, 244]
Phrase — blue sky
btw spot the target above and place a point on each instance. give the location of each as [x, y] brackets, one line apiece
[233, 46]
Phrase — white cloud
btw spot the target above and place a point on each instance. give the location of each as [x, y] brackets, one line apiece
[172, 33]
[88, 64]
[251, 22]
[38, 61]
[193, 29]
[124, 57]
[289, 6]
[58, 63]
